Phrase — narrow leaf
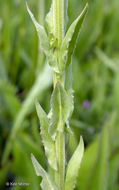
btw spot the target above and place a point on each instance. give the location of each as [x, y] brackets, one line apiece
[44, 41]
[47, 140]
[61, 107]
[73, 166]
[70, 39]
[87, 165]
[46, 181]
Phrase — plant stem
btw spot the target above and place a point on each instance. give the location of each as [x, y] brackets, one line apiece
[58, 77]
[58, 20]
[60, 154]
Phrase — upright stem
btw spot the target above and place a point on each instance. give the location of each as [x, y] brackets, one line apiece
[60, 154]
[58, 20]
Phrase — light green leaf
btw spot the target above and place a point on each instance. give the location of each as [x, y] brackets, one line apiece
[44, 41]
[73, 166]
[69, 41]
[47, 140]
[61, 107]
[52, 61]
[46, 181]
[68, 87]
[87, 165]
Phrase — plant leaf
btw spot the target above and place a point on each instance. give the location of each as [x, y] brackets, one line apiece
[46, 181]
[73, 166]
[69, 41]
[87, 165]
[44, 41]
[61, 107]
[52, 61]
[47, 140]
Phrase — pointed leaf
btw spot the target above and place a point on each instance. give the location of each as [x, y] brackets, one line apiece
[46, 181]
[61, 107]
[44, 41]
[73, 166]
[47, 140]
[69, 42]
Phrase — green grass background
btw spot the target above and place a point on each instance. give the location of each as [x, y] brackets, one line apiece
[24, 77]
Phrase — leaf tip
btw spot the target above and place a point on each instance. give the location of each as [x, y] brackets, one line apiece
[82, 143]
[87, 5]
[81, 140]
[36, 104]
[27, 6]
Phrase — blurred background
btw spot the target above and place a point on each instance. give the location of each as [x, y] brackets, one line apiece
[24, 77]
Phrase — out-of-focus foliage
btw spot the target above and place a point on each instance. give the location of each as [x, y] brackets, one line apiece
[24, 78]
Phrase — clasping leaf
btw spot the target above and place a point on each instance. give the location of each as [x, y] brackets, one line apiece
[73, 166]
[46, 138]
[46, 181]
[70, 39]
[61, 108]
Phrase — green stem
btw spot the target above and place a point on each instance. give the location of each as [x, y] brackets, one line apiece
[58, 20]
[58, 77]
[60, 154]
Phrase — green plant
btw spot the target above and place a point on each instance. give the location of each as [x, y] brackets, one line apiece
[58, 48]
